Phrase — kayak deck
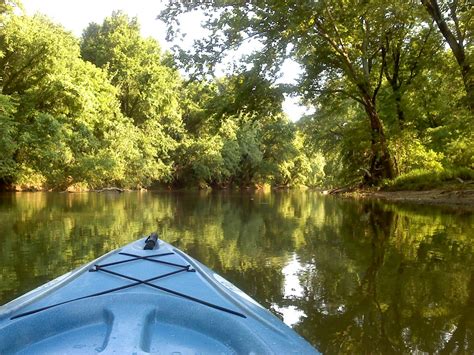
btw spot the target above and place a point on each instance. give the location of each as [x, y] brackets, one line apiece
[143, 301]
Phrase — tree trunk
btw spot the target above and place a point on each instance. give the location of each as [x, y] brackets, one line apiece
[394, 80]
[398, 104]
[381, 165]
[457, 47]
[468, 78]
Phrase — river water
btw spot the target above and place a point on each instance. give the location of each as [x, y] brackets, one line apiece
[349, 276]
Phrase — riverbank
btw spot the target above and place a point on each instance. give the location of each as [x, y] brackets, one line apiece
[430, 197]
[447, 195]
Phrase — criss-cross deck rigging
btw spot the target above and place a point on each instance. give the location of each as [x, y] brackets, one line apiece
[105, 268]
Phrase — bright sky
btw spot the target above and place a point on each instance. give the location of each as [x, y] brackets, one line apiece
[76, 15]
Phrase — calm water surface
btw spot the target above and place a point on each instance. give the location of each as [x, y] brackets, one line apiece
[350, 276]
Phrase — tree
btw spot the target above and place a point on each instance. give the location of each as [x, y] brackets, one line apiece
[66, 118]
[406, 50]
[348, 41]
[8, 132]
[334, 41]
[148, 86]
[383, 56]
[238, 133]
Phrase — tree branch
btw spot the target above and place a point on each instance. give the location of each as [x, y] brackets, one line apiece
[458, 50]
[415, 64]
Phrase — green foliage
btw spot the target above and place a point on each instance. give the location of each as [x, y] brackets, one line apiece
[124, 117]
[423, 179]
[148, 88]
[148, 92]
[67, 112]
[250, 152]
[387, 92]
[44, 148]
[410, 154]
[460, 151]
[8, 132]
[337, 131]
[112, 109]
[454, 21]
[314, 165]
[230, 150]
[238, 134]
[206, 159]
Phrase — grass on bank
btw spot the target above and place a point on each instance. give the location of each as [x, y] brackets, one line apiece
[422, 179]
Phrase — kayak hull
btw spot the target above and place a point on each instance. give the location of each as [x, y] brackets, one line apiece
[143, 301]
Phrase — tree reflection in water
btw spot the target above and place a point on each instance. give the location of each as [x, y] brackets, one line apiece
[350, 276]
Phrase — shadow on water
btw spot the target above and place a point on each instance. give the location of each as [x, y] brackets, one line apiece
[350, 276]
